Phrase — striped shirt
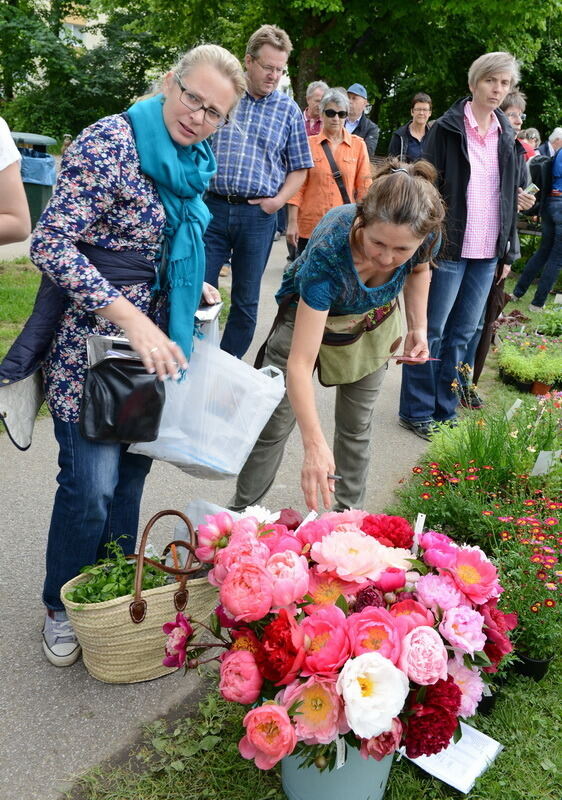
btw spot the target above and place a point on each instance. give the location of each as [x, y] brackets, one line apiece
[265, 141]
[483, 190]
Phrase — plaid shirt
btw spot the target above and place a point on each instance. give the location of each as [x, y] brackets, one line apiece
[265, 141]
[483, 190]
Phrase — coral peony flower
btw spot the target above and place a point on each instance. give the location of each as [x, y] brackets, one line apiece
[245, 639]
[439, 549]
[179, 635]
[409, 614]
[282, 649]
[278, 538]
[325, 588]
[378, 747]
[213, 535]
[243, 548]
[423, 657]
[388, 530]
[320, 716]
[373, 691]
[496, 626]
[462, 628]
[438, 592]
[374, 630]
[391, 579]
[470, 683]
[240, 678]
[354, 556]
[269, 737]
[313, 532]
[290, 577]
[247, 592]
[475, 575]
[326, 641]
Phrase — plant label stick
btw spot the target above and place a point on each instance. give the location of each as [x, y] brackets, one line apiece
[418, 530]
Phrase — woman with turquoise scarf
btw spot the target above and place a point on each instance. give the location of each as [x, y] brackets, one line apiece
[123, 238]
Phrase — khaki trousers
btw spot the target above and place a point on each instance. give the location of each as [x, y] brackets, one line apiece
[352, 440]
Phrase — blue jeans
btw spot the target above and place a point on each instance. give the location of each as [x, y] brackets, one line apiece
[244, 233]
[548, 257]
[98, 500]
[457, 297]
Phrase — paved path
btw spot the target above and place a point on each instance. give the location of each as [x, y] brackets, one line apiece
[56, 723]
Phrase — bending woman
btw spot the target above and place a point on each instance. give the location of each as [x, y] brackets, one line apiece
[129, 184]
[338, 306]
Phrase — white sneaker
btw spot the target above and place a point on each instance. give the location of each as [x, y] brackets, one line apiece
[533, 309]
[60, 644]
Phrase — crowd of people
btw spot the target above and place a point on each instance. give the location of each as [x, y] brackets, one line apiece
[151, 203]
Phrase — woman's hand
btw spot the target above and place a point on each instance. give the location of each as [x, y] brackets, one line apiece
[415, 346]
[210, 295]
[317, 465]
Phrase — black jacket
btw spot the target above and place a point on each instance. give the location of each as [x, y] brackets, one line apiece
[368, 131]
[399, 142]
[445, 146]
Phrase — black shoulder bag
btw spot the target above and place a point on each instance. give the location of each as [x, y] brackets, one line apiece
[336, 174]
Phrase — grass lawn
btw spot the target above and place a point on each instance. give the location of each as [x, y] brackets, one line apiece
[19, 280]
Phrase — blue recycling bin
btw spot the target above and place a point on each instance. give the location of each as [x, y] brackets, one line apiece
[38, 171]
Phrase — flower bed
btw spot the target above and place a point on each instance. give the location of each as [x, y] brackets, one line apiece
[529, 357]
[343, 628]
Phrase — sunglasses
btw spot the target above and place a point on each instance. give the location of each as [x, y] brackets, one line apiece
[331, 112]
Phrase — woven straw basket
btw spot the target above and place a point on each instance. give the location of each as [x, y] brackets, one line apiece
[122, 639]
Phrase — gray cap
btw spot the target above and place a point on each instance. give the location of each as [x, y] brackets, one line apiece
[357, 88]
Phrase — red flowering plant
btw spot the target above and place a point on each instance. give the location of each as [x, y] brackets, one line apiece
[347, 626]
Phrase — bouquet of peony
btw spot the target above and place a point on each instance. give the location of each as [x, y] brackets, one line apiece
[346, 627]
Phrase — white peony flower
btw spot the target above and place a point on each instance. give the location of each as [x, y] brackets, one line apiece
[263, 515]
[374, 692]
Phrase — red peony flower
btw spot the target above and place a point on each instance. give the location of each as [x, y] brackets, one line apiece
[390, 531]
[369, 596]
[445, 694]
[496, 625]
[289, 517]
[429, 731]
[282, 652]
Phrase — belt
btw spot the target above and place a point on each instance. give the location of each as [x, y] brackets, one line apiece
[556, 193]
[232, 199]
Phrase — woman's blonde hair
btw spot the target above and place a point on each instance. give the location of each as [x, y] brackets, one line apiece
[213, 55]
[403, 194]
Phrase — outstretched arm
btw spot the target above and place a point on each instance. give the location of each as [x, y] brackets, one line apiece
[15, 224]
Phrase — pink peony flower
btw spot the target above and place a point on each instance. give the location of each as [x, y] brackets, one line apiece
[354, 556]
[374, 630]
[391, 579]
[290, 577]
[470, 683]
[320, 716]
[247, 592]
[475, 575]
[409, 614]
[439, 549]
[278, 538]
[240, 678]
[325, 588]
[213, 535]
[438, 592]
[313, 532]
[242, 548]
[270, 736]
[245, 525]
[352, 516]
[326, 641]
[179, 634]
[462, 628]
[383, 745]
[423, 657]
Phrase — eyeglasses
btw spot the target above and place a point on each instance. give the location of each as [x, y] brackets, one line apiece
[513, 114]
[331, 112]
[271, 70]
[193, 102]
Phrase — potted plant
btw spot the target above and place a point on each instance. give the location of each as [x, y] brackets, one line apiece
[346, 639]
[549, 322]
[528, 359]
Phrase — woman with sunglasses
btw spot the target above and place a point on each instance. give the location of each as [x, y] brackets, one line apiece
[320, 191]
[122, 237]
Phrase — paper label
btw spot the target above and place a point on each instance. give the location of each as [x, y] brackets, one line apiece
[545, 460]
[510, 412]
[418, 530]
[340, 752]
[310, 517]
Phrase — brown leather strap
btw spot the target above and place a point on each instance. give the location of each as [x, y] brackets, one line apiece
[279, 317]
[137, 606]
[336, 173]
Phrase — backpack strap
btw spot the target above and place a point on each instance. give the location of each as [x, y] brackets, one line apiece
[336, 174]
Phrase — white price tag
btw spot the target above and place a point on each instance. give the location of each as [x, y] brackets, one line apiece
[340, 752]
[418, 530]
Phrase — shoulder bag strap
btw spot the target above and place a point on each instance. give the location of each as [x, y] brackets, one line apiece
[336, 174]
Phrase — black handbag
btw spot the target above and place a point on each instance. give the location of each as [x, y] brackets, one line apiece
[121, 401]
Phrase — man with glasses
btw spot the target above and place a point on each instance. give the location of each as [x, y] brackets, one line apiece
[357, 121]
[262, 158]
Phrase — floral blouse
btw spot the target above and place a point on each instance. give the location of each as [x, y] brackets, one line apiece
[101, 198]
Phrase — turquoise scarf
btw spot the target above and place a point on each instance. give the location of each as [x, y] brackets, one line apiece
[181, 175]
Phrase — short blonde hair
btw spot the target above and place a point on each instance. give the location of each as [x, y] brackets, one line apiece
[213, 55]
[268, 34]
[492, 63]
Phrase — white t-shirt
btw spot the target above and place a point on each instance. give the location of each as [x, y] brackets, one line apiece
[8, 150]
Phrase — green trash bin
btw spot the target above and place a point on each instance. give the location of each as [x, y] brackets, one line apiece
[38, 170]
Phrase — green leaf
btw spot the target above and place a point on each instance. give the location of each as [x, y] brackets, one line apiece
[547, 765]
[457, 735]
[208, 742]
[418, 565]
[179, 766]
[342, 603]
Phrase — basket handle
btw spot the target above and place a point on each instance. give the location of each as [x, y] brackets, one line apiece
[137, 607]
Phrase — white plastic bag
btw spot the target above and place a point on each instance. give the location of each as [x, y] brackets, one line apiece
[212, 419]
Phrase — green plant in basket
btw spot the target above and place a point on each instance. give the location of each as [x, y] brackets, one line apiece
[113, 577]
